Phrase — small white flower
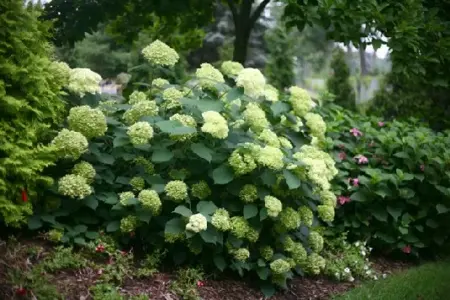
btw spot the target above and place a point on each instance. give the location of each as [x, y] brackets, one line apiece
[367, 259]
[363, 253]
[375, 277]
[384, 276]
[368, 272]
[365, 243]
[347, 270]
[351, 279]
[366, 267]
[336, 275]
[357, 244]
[370, 249]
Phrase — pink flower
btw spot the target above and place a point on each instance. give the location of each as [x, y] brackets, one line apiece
[355, 181]
[361, 159]
[343, 199]
[356, 132]
[381, 124]
[200, 283]
[407, 249]
[100, 248]
[422, 167]
[342, 155]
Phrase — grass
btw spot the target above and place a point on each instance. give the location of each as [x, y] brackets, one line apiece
[430, 281]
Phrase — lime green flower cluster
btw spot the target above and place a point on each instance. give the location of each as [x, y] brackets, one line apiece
[289, 218]
[70, 144]
[180, 174]
[242, 229]
[197, 223]
[221, 220]
[172, 98]
[326, 212]
[83, 81]
[255, 117]
[266, 253]
[90, 122]
[242, 161]
[55, 235]
[248, 193]
[138, 183]
[172, 238]
[74, 186]
[271, 93]
[60, 71]
[280, 266]
[85, 170]
[316, 125]
[108, 107]
[124, 197]
[187, 121]
[150, 200]
[215, 124]
[209, 76]
[271, 158]
[295, 126]
[315, 241]
[270, 138]
[328, 198]
[139, 110]
[315, 264]
[137, 97]
[284, 142]
[297, 251]
[253, 82]
[306, 215]
[176, 190]
[273, 205]
[231, 68]
[160, 82]
[140, 133]
[148, 166]
[201, 190]
[300, 100]
[241, 254]
[128, 224]
[158, 53]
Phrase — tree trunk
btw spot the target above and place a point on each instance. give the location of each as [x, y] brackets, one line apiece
[241, 45]
[363, 62]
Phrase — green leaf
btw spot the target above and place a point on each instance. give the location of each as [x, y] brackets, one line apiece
[380, 214]
[235, 93]
[111, 199]
[34, 222]
[144, 215]
[162, 155]
[80, 228]
[432, 223]
[203, 105]
[202, 151]
[268, 289]
[80, 241]
[120, 141]
[383, 191]
[92, 235]
[292, 181]
[263, 273]
[122, 180]
[222, 175]
[442, 209]
[91, 202]
[113, 226]
[250, 211]
[268, 178]
[359, 196]
[220, 263]
[183, 210]
[131, 201]
[206, 207]
[175, 226]
[106, 159]
[168, 126]
[48, 218]
[279, 107]
[402, 155]
[395, 212]
[263, 214]
[209, 235]
[183, 130]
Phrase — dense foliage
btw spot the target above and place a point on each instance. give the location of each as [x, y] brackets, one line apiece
[339, 82]
[30, 105]
[393, 184]
[202, 170]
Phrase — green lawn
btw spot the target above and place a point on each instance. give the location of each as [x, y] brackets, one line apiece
[430, 281]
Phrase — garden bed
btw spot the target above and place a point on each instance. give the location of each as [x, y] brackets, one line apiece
[75, 283]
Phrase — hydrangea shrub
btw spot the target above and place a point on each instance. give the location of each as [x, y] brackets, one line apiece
[393, 184]
[232, 176]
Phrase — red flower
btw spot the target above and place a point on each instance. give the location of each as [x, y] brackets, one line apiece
[123, 253]
[21, 291]
[24, 196]
[342, 155]
[200, 283]
[407, 249]
[100, 248]
[343, 199]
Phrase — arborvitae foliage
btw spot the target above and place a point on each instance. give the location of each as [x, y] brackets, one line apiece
[280, 65]
[30, 104]
[339, 82]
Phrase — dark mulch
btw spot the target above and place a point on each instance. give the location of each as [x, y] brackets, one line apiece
[74, 284]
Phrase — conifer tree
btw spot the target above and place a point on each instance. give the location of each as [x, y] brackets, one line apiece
[339, 82]
[30, 105]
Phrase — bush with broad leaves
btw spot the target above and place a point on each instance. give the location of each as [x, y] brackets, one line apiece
[223, 170]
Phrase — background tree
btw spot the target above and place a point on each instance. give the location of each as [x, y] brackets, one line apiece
[339, 82]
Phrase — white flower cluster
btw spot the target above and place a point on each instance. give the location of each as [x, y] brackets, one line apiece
[197, 223]
[83, 81]
[159, 53]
